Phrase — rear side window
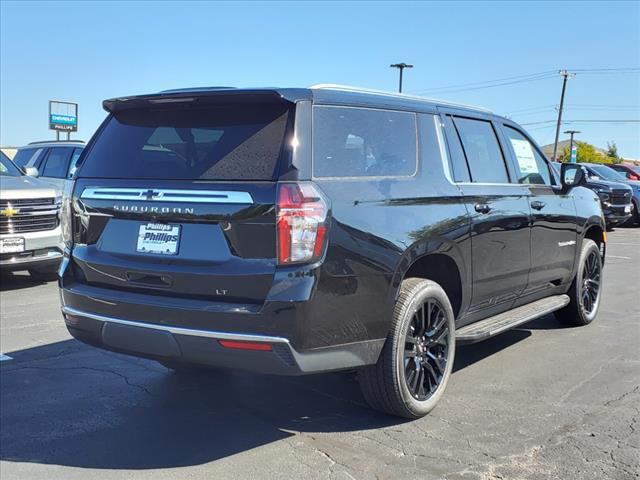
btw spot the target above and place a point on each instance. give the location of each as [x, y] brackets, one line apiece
[363, 142]
[74, 161]
[27, 157]
[481, 147]
[230, 142]
[531, 168]
[56, 163]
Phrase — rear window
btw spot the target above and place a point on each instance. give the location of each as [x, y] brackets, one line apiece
[215, 143]
[363, 142]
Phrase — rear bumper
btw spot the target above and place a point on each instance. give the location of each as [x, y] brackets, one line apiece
[203, 347]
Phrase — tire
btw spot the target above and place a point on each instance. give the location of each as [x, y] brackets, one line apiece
[44, 274]
[584, 300]
[400, 383]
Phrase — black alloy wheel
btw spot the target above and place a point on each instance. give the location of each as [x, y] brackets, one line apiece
[590, 290]
[426, 350]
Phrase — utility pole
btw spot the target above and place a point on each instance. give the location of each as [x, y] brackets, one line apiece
[572, 133]
[401, 67]
[566, 76]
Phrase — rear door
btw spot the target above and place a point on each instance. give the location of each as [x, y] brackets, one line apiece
[553, 214]
[180, 201]
[499, 213]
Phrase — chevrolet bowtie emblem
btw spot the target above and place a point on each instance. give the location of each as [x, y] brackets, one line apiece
[9, 212]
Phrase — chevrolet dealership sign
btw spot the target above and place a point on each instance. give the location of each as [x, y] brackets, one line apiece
[63, 116]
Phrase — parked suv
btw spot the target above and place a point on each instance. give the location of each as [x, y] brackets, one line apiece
[55, 161]
[29, 223]
[296, 231]
[615, 197]
[612, 175]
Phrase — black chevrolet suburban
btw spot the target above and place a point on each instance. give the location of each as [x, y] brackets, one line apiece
[295, 231]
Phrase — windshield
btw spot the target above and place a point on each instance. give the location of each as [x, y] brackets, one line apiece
[607, 173]
[636, 169]
[229, 142]
[8, 168]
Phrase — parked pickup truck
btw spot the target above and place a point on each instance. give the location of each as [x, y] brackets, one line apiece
[297, 231]
[30, 236]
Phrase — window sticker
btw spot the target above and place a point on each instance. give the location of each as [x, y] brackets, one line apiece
[524, 154]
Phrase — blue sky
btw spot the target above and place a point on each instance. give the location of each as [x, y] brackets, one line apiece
[86, 52]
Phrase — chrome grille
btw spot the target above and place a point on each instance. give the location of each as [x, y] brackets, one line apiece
[28, 215]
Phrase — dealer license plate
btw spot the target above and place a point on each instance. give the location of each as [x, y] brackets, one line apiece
[158, 238]
[12, 245]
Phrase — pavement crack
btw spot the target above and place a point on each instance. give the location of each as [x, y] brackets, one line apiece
[99, 370]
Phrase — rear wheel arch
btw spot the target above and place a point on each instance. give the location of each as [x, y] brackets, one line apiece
[443, 270]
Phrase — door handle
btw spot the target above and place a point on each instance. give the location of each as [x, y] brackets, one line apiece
[482, 208]
[537, 205]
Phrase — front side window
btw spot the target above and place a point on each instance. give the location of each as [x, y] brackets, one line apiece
[481, 147]
[56, 163]
[363, 142]
[531, 168]
[27, 157]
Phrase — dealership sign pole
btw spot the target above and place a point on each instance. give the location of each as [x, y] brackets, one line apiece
[63, 117]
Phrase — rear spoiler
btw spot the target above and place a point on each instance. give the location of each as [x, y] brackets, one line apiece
[215, 95]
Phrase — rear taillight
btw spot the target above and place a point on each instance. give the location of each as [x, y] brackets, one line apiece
[66, 213]
[302, 223]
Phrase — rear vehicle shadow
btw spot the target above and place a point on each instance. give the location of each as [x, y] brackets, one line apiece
[15, 281]
[69, 404]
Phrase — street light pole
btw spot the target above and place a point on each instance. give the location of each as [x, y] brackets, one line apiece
[566, 76]
[572, 133]
[401, 67]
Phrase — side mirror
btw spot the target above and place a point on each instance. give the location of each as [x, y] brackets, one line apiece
[31, 171]
[571, 175]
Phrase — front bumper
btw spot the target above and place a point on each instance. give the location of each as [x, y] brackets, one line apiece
[616, 214]
[41, 249]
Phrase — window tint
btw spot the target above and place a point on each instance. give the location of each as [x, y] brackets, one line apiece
[27, 157]
[230, 142]
[482, 150]
[361, 142]
[56, 163]
[456, 154]
[74, 161]
[530, 166]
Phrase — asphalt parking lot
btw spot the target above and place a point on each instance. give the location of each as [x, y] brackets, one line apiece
[539, 402]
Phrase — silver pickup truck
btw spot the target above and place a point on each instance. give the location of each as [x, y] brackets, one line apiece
[29, 223]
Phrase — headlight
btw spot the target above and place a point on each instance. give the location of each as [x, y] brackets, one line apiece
[604, 196]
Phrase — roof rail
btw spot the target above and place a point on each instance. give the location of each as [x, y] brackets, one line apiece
[349, 88]
[56, 141]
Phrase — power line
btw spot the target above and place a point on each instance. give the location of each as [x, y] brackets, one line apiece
[491, 83]
[531, 77]
[626, 120]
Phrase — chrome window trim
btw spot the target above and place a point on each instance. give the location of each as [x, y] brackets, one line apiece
[177, 330]
[167, 195]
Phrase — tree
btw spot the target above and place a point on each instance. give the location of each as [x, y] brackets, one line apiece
[587, 153]
[612, 152]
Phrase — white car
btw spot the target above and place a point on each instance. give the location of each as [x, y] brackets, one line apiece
[30, 236]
